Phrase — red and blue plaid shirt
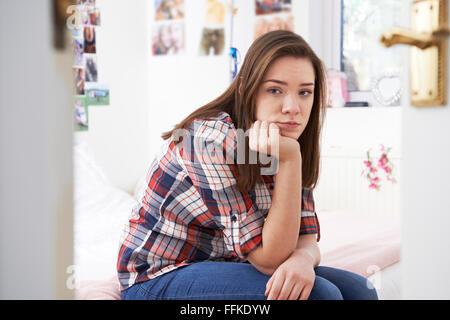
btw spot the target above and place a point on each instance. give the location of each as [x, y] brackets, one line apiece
[192, 211]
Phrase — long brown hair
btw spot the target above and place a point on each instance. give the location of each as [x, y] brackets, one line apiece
[239, 101]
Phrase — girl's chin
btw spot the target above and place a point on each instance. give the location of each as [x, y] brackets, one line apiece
[289, 134]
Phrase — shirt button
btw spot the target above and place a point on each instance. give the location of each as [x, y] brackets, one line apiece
[271, 186]
[233, 215]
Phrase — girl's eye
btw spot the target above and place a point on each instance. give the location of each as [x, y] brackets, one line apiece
[274, 90]
[305, 92]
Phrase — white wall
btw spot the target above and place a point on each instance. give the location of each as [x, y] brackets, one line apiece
[118, 135]
[180, 84]
[36, 148]
[363, 128]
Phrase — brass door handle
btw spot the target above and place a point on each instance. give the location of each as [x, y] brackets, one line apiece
[428, 62]
[419, 39]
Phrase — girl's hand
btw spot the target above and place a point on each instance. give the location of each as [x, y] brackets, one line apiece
[293, 279]
[265, 137]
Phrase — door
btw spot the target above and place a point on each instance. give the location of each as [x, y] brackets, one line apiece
[425, 200]
[36, 155]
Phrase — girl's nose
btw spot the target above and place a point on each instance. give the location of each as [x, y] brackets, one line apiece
[291, 105]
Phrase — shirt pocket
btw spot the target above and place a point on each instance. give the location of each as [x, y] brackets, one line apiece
[244, 232]
[261, 197]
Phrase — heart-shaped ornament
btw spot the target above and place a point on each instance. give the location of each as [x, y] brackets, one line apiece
[387, 88]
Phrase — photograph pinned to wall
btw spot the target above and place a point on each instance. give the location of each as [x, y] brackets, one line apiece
[83, 9]
[87, 89]
[79, 76]
[169, 9]
[97, 94]
[94, 16]
[80, 114]
[168, 38]
[90, 67]
[89, 40]
[215, 12]
[272, 6]
[212, 42]
[90, 16]
[78, 50]
[86, 2]
[272, 23]
[213, 32]
[77, 32]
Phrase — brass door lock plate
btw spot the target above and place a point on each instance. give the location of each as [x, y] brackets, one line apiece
[428, 54]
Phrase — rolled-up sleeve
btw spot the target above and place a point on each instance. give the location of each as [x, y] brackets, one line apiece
[208, 159]
[309, 221]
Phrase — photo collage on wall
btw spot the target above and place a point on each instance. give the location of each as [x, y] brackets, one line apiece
[88, 91]
[168, 27]
[272, 15]
[168, 30]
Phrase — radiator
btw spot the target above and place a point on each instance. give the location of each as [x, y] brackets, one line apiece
[342, 187]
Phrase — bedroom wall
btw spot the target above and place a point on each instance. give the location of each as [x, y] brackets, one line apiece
[347, 136]
[118, 135]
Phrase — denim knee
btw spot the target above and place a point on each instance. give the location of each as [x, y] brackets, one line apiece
[325, 290]
[366, 291]
[351, 285]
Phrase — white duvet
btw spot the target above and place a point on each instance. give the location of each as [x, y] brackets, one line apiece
[100, 212]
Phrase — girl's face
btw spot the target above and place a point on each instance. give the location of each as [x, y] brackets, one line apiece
[286, 95]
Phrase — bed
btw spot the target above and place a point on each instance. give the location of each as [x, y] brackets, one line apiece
[365, 245]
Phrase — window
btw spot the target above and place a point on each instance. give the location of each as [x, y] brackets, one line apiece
[352, 34]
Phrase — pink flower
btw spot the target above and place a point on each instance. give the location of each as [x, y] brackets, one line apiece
[383, 160]
[371, 168]
[373, 186]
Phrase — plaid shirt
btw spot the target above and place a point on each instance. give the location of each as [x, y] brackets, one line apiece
[192, 211]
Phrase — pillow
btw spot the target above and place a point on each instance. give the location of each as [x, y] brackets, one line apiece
[88, 175]
[99, 290]
[100, 213]
[141, 186]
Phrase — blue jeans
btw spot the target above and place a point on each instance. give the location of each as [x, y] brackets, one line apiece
[241, 281]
